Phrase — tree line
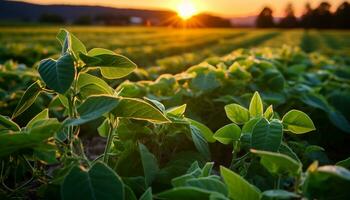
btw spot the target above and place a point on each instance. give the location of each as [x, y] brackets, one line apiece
[320, 17]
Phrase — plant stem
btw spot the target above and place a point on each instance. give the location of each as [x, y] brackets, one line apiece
[278, 182]
[109, 140]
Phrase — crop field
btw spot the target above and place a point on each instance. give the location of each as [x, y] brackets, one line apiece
[131, 113]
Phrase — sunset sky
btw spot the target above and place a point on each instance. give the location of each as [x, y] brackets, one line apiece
[220, 7]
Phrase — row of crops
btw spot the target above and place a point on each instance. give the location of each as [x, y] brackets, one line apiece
[170, 50]
[256, 123]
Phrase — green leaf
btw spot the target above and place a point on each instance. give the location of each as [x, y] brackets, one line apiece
[269, 113]
[158, 104]
[35, 138]
[279, 194]
[138, 109]
[27, 99]
[238, 188]
[228, 134]
[98, 183]
[286, 150]
[58, 75]
[256, 108]
[209, 184]
[277, 163]
[339, 120]
[184, 193]
[205, 82]
[297, 122]
[7, 124]
[267, 135]
[177, 111]
[112, 65]
[237, 113]
[41, 116]
[64, 100]
[147, 195]
[149, 163]
[47, 157]
[204, 130]
[248, 127]
[207, 169]
[93, 108]
[103, 129]
[85, 80]
[327, 182]
[200, 142]
[71, 43]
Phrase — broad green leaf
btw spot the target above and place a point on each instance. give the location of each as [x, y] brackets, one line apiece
[149, 163]
[147, 195]
[158, 104]
[27, 99]
[205, 82]
[248, 127]
[228, 134]
[64, 100]
[181, 180]
[46, 157]
[58, 75]
[207, 169]
[41, 116]
[297, 122]
[85, 79]
[217, 196]
[327, 182]
[177, 111]
[237, 113]
[98, 183]
[209, 184]
[200, 142]
[184, 193]
[267, 135]
[316, 101]
[34, 138]
[278, 194]
[93, 108]
[7, 124]
[339, 120]
[192, 172]
[64, 40]
[71, 43]
[256, 108]
[277, 163]
[269, 113]
[204, 130]
[286, 150]
[238, 188]
[112, 65]
[138, 109]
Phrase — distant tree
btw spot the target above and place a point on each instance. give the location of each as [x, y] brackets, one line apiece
[306, 18]
[289, 21]
[322, 17]
[83, 20]
[342, 16]
[51, 19]
[265, 18]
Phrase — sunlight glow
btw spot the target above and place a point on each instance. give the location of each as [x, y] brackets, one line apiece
[186, 9]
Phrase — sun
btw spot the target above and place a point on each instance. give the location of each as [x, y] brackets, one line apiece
[186, 9]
